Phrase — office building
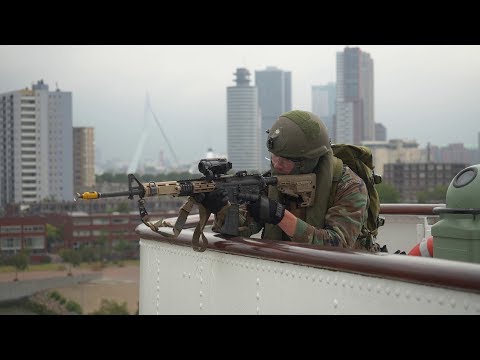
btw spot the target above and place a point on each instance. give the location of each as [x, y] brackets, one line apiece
[355, 120]
[323, 105]
[380, 132]
[274, 88]
[243, 123]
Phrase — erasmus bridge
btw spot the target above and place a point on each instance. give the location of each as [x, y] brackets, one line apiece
[148, 110]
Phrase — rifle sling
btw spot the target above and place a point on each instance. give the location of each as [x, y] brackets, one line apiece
[179, 224]
[204, 215]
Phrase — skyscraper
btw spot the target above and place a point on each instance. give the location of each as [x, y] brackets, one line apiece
[380, 132]
[355, 97]
[36, 160]
[243, 123]
[323, 105]
[274, 98]
[84, 159]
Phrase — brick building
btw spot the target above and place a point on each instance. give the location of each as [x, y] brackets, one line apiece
[23, 232]
[77, 228]
[411, 178]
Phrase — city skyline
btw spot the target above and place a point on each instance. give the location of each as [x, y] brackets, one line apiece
[424, 93]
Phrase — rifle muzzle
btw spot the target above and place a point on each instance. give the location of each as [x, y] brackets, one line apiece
[88, 195]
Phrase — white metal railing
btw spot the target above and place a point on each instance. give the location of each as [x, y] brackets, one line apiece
[249, 276]
[177, 280]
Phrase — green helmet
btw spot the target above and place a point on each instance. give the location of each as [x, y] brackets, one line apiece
[298, 135]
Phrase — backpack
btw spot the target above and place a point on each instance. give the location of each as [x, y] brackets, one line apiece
[359, 159]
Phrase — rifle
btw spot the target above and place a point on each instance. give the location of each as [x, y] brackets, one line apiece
[240, 187]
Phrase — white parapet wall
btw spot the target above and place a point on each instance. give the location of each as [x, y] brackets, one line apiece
[403, 232]
[175, 279]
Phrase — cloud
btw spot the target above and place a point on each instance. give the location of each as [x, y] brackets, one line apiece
[427, 93]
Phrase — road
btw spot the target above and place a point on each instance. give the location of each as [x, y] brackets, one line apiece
[117, 283]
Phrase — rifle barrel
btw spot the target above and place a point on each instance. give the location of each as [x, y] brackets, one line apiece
[89, 195]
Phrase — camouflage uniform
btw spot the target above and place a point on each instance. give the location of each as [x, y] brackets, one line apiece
[344, 220]
[302, 136]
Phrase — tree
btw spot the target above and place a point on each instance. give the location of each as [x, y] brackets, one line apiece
[123, 247]
[87, 254]
[111, 307]
[101, 246]
[122, 177]
[123, 207]
[20, 261]
[387, 193]
[48, 199]
[437, 195]
[54, 236]
[72, 257]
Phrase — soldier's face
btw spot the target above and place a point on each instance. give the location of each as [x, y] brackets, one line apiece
[282, 165]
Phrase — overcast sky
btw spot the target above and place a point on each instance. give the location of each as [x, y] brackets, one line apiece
[426, 93]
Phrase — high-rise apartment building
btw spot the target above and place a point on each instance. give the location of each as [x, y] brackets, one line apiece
[355, 97]
[380, 132]
[323, 105]
[274, 98]
[36, 160]
[243, 123]
[84, 159]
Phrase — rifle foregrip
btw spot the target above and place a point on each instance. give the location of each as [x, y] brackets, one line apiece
[230, 225]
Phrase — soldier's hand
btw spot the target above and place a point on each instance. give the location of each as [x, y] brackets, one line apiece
[214, 201]
[266, 210]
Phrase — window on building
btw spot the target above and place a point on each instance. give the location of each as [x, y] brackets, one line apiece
[119, 220]
[11, 243]
[9, 229]
[33, 228]
[79, 221]
[79, 233]
[100, 221]
[35, 242]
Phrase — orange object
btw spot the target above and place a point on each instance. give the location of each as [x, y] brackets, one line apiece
[424, 248]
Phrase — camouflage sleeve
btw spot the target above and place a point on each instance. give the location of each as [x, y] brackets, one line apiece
[344, 220]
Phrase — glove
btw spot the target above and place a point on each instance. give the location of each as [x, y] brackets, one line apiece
[266, 210]
[214, 201]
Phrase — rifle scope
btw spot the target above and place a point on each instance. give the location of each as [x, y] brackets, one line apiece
[212, 168]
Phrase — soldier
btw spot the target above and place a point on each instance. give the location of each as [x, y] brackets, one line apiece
[299, 144]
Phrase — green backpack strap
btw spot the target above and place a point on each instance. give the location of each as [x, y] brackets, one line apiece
[337, 175]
